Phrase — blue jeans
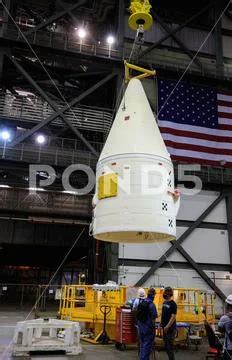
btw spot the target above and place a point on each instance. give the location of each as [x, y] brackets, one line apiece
[146, 344]
[169, 343]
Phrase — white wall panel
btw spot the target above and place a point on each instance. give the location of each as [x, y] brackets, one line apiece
[203, 245]
[208, 246]
[191, 207]
[149, 251]
[218, 215]
[187, 278]
[142, 251]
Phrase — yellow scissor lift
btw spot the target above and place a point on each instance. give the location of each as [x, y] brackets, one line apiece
[87, 304]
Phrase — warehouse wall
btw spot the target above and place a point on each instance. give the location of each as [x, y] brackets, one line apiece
[193, 38]
[26, 233]
[208, 246]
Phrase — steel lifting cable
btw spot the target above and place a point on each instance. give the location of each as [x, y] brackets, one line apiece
[123, 86]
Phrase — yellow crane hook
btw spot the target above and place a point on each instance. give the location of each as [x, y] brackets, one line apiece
[140, 14]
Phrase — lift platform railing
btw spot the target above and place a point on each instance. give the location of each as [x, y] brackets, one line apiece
[82, 303]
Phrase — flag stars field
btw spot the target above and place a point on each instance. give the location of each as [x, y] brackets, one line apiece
[196, 136]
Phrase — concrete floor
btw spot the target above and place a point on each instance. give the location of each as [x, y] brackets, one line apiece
[9, 318]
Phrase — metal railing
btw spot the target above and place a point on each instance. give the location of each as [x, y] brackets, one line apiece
[48, 155]
[45, 203]
[65, 41]
[64, 152]
[161, 57]
[33, 109]
[24, 296]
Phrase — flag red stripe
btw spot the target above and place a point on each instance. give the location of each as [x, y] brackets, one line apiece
[225, 92]
[226, 127]
[195, 135]
[199, 161]
[207, 152]
[198, 148]
[225, 115]
[225, 103]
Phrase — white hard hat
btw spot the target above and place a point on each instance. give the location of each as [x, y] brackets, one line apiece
[141, 293]
[229, 300]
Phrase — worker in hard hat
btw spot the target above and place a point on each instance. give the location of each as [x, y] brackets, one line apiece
[168, 321]
[146, 315]
[141, 295]
[225, 326]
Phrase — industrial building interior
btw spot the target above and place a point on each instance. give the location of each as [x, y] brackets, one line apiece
[66, 68]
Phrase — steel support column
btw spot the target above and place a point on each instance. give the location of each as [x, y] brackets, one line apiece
[218, 40]
[229, 224]
[112, 261]
[53, 105]
[3, 32]
[3, 53]
[121, 23]
[59, 112]
[176, 39]
[33, 82]
[5, 17]
[112, 249]
[120, 39]
[181, 239]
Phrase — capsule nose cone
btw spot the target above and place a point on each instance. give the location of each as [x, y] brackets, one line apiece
[134, 129]
[134, 199]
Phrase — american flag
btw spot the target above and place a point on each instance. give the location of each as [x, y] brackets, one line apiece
[196, 122]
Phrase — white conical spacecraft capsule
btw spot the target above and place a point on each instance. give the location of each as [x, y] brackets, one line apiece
[135, 200]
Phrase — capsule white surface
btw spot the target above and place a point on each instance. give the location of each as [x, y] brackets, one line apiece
[135, 200]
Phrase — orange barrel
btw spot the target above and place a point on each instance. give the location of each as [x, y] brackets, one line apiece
[126, 332]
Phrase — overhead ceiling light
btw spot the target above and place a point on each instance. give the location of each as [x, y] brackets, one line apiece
[70, 192]
[36, 189]
[110, 39]
[81, 32]
[5, 135]
[4, 186]
[40, 139]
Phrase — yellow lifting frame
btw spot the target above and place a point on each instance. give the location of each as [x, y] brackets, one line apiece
[144, 72]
